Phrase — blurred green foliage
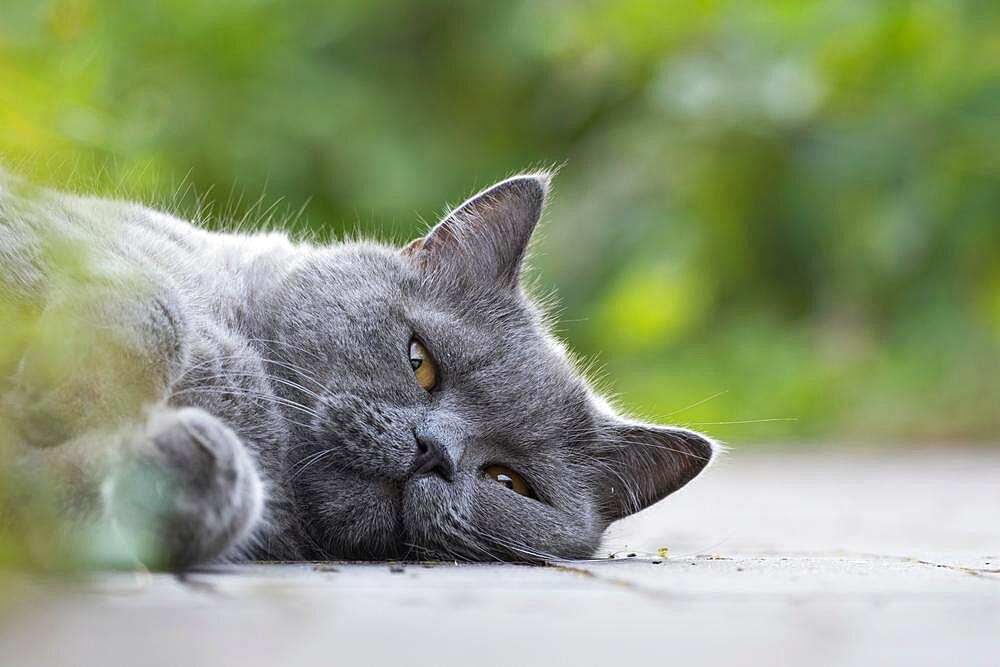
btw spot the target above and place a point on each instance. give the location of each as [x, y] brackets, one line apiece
[47, 381]
[31, 533]
[790, 209]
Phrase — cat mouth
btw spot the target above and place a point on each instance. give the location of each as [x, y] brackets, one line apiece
[391, 489]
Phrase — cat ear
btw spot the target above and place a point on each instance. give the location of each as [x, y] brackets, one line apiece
[645, 463]
[485, 238]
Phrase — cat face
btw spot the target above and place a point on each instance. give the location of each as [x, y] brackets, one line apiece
[445, 422]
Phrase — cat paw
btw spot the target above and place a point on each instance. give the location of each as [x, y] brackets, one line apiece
[187, 492]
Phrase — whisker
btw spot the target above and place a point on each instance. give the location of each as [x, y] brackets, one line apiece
[288, 345]
[747, 421]
[304, 373]
[662, 448]
[270, 378]
[514, 546]
[212, 391]
[310, 461]
[696, 404]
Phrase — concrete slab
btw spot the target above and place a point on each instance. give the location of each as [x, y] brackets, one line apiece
[807, 558]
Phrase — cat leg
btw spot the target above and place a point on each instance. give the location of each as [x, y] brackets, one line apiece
[187, 490]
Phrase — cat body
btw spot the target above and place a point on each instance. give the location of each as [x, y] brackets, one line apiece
[292, 401]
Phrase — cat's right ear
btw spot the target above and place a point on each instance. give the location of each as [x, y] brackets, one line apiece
[644, 463]
[486, 237]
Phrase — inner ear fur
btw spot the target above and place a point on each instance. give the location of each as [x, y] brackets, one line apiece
[645, 463]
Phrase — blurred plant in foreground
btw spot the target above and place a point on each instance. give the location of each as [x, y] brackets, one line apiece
[68, 395]
[32, 533]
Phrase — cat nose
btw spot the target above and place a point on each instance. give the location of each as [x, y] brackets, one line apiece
[432, 457]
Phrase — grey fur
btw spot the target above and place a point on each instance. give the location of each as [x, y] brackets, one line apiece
[280, 405]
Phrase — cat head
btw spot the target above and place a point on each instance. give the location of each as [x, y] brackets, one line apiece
[446, 420]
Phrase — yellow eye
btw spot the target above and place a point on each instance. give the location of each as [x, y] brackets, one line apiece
[422, 363]
[510, 479]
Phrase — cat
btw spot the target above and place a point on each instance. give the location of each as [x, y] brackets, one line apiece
[238, 397]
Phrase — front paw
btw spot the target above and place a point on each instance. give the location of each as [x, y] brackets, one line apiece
[187, 492]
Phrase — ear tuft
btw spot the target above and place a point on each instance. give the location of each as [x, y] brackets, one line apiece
[486, 237]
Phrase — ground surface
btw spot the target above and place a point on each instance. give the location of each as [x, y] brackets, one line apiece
[806, 558]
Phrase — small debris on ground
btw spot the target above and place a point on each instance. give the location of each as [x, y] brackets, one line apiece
[325, 568]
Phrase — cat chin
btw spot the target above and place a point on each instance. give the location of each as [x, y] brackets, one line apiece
[370, 519]
[430, 511]
[355, 518]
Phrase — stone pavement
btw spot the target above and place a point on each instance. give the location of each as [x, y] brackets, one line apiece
[792, 558]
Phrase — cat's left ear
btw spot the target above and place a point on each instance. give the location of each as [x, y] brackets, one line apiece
[644, 463]
[486, 237]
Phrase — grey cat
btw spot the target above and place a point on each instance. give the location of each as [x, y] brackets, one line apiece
[286, 401]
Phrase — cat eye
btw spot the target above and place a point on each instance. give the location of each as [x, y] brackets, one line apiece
[422, 363]
[510, 479]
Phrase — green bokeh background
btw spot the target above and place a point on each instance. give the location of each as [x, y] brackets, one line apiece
[777, 221]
